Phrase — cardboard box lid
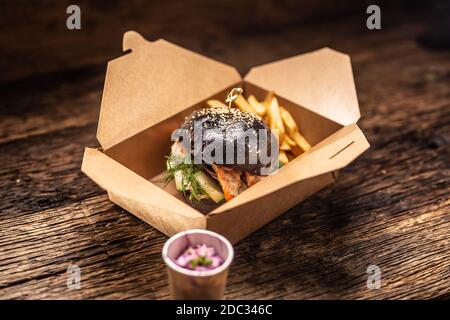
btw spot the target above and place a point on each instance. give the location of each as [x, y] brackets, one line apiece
[154, 82]
[320, 81]
[333, 153]
[139, 195]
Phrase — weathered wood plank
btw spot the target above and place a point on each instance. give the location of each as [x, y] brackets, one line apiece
[42, 27]
[385, 225]
[42, 104]
[93, 234]
[44, 171]
[106, 234]
[390, 208]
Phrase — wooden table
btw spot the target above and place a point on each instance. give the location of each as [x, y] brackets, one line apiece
[390, 208]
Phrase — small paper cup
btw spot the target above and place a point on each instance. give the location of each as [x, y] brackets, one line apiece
[188, 284]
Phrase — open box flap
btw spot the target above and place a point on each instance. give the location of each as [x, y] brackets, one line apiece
[320, 81]
[333, 153]
[138, 195]
[154, 82]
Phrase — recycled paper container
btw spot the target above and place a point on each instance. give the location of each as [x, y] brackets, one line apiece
[188, 284]
[150, 90]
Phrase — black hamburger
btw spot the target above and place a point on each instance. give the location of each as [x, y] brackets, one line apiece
[222, 152]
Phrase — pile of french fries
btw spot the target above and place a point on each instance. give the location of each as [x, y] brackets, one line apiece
[291, 142]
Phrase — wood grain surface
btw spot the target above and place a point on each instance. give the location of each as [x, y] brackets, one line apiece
[390, 208]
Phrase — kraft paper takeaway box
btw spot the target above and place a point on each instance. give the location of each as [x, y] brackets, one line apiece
[150, 90]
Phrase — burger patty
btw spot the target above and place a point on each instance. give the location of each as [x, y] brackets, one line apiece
[229, 128]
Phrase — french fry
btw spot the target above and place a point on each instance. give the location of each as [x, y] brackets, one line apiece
[243, 105]
[282, 157]
[216, 104]
[300, 141]
[284, 145]
[275, 121]
[289, 141]
[270, 95]
[288, 120]
[259, 107]
[292, 129]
